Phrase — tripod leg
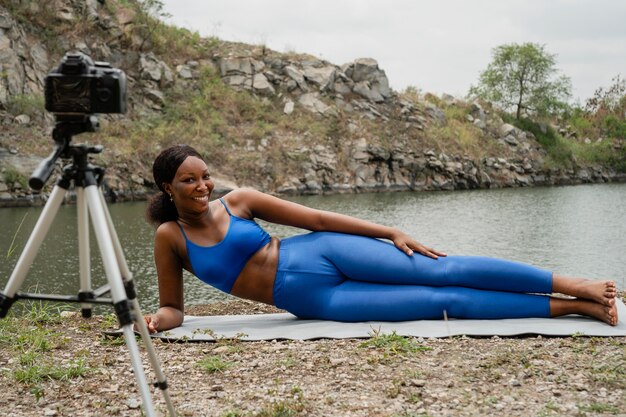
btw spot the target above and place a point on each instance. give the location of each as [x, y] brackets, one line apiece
[161, 380]
[118, 293]
[27, 257]
[154, 359]
[83, 251]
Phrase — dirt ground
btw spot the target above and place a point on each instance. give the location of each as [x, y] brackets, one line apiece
[382, 376]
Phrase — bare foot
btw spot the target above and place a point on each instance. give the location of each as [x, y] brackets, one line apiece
[602, 312]
[603, 292]
[607, 314]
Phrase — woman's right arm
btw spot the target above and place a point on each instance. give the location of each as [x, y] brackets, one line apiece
[170, 277]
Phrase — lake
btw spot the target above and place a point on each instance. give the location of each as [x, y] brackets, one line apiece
[579, 230]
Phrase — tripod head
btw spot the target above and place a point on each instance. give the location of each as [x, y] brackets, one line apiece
[66, 127]
[74, 91]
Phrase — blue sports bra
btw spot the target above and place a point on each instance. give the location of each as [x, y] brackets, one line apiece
[219, 265]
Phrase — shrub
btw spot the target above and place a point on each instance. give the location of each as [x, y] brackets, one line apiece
[30, 104]
[613, 127]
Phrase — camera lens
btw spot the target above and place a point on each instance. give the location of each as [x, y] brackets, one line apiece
[104, 94]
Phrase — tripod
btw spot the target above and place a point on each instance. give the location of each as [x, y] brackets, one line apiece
[89, 203]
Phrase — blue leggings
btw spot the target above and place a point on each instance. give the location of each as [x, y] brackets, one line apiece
[334, 276]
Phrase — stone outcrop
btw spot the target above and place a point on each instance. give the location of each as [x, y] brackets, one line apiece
[307, 79]
[345, 94]
[23, 63]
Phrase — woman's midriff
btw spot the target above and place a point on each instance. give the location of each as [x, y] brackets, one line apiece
[256, 280]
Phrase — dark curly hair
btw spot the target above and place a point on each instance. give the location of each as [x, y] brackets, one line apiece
[160, 207]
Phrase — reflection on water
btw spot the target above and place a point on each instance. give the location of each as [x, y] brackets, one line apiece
[574, 230]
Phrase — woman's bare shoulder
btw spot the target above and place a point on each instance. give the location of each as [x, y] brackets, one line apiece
[242, 200]
[167, 231]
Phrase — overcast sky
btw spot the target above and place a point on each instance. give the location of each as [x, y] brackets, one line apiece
[438, 46]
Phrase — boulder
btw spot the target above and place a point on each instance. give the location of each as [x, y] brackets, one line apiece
[311, 102]
[288, 109]
[296, 75]
[435, 113]
[240, 66]
[261, 85]
[370, 81]
[323, 77]
[153, 69]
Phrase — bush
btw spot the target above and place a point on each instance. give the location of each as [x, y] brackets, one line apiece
[614, 127]
[559, 150]
[30, 104]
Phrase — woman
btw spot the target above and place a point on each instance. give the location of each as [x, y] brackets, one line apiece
[342, 271]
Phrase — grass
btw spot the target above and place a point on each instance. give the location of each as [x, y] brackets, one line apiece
[34, 372]
[597, 407]
[31, 341]
[12, 176]
[12, 246]
[30, 104]
[393, 344]
[213, 364]
[292, 406]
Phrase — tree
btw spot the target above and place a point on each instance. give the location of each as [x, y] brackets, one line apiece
[523, 78]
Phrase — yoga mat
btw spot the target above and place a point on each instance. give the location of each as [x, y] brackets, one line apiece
[287, 326]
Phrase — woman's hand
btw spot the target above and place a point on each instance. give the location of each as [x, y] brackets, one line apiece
[409, 245]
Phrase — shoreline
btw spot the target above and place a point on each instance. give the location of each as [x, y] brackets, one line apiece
[40, 199]
[392, 377]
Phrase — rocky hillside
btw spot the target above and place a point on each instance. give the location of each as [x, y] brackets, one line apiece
[284, 123]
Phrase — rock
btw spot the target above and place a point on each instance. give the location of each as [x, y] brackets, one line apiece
[435, 113]
[137, 179]
[365, 90]
[240, 66]
[507, 129]
[22, 119]
[156, 70]
[583, 175]
[311, 102]
[322, 77]
[477, 112]
[288, 109]
[418, 382]
[370, 81]
[261, 85]
[480, 123]
[449, 99]
[297, 76]
[510, 140]
[155, 96]
[133, 403]
[184, 71]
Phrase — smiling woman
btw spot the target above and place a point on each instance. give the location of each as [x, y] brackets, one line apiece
[343, 270]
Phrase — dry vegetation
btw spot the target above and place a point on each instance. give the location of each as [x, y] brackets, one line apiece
[57, 366]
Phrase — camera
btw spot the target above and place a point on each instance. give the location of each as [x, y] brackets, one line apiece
[80, 86]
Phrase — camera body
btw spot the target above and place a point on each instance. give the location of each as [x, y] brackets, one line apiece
[81, 86]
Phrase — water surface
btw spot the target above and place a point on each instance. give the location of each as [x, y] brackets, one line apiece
[577, 230]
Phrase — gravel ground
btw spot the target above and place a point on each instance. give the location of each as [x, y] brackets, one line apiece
[382, 376]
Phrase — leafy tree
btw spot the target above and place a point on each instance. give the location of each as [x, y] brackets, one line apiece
[523, 78]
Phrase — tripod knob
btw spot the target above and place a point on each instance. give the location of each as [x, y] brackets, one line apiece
[94, 149]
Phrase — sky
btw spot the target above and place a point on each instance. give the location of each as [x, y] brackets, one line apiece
[436, 46]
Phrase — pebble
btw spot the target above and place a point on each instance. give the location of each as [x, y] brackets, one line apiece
[133, 403]
[418, 382]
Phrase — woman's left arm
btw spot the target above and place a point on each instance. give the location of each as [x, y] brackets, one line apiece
[276, 210]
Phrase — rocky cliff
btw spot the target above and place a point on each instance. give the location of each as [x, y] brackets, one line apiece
[326, 128]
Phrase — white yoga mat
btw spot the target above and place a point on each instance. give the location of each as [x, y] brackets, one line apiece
[287, 326]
